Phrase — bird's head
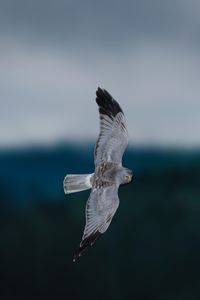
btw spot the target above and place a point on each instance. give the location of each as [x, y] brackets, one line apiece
[127, 176]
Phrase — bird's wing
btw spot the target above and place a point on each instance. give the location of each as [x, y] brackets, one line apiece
[100, 209]
[113, 137]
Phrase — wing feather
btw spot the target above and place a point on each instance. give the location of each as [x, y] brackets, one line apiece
[113, 136]
[100, 209]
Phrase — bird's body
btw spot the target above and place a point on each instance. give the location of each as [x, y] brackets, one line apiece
[109, 173]
[106, 175]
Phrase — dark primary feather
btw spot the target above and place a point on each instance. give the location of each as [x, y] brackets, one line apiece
[85, 244]
[107, 105]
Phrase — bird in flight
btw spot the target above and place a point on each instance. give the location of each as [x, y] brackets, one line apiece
[108, 175]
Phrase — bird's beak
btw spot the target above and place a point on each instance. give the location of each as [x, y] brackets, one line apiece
[131, 176]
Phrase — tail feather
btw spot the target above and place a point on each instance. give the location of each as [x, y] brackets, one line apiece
[76, 183]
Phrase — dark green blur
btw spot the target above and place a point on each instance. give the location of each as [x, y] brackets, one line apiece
[151, 250]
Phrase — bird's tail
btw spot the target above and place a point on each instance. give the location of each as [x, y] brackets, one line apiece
[77, 183]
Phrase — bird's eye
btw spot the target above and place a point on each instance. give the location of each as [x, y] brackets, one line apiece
[126, 177]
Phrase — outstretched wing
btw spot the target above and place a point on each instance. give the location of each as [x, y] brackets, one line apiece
[100, 209]
[113, 137]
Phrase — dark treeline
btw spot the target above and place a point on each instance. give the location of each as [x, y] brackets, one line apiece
[151, 250]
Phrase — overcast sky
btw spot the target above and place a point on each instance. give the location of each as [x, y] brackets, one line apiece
[54, 54]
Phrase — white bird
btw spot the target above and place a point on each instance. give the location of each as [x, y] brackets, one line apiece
[108, 175]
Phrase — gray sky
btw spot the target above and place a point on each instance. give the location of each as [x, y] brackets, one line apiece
[54, 54]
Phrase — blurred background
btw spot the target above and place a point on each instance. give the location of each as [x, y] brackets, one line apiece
[53, 56]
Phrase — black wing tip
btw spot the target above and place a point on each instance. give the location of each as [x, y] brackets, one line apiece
[86, 244]
[103, 93]
[107, 105]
